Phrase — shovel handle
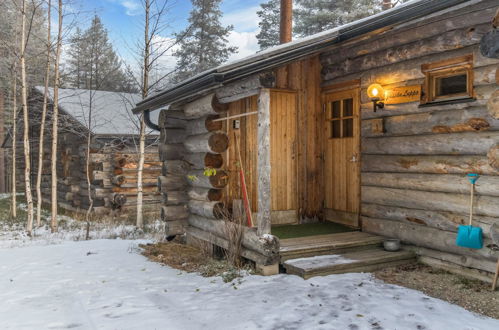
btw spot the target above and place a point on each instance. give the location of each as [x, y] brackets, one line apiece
[471, 202]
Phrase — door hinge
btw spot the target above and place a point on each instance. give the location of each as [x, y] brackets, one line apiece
[323, 107]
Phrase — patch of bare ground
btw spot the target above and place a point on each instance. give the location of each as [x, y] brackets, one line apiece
[470, 294]
[191, 259]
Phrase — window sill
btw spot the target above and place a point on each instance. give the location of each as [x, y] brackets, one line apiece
[445, 102]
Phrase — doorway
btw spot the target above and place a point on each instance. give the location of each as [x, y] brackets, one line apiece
[342, 157]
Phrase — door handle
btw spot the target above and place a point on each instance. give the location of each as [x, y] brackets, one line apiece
[354, 158]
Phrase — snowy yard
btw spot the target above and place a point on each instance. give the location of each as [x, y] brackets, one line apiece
[107, 284]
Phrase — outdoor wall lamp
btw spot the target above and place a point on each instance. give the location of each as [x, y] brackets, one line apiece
[376, 93]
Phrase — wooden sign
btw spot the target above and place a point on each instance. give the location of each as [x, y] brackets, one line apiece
[404, 94]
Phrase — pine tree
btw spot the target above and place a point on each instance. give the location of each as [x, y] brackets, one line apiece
[313, 16]
[203, 45]
[93, 63]
[269, 24]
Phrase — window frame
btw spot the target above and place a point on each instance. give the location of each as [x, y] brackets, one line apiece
[341, 119]
[444, 69]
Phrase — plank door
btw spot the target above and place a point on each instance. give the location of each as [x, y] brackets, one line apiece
[283, 156]
[342, 157]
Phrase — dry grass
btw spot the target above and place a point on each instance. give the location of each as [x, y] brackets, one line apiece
[472, 295]
[190, 259]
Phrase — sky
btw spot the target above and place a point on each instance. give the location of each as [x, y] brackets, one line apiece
[123, 20]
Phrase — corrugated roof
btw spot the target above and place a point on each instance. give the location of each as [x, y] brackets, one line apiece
[111, 111]
[286, 53]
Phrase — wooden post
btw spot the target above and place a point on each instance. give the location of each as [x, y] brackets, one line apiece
[263, 163]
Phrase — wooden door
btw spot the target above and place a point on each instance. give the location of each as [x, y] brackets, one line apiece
[283, 158]
[342, 157]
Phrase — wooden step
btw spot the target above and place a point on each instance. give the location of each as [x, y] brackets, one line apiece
[310, 246]
[350, 262]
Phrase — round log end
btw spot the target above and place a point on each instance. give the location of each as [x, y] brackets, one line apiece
[218, 142]
[217, 106]
[493, 105]
[213, 125]
[213, 160]
[119, 199]
[493, 156]
[219, 180]
[215, 195]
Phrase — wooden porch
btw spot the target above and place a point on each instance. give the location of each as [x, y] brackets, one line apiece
[338, 253]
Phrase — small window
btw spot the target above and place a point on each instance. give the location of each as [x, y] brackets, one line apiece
[448, 80]
[341, 119]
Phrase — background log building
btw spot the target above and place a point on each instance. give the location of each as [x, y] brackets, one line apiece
[313, 148]
[113, 151]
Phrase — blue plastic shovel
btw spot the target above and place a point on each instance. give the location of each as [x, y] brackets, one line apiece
[470, 236]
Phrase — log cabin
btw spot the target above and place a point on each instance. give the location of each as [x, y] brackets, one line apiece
[113, 152]
[316, 143]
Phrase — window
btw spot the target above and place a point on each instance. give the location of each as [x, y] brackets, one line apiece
[448, 80]
[341, 118]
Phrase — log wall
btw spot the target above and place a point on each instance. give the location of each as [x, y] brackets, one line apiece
[413, 180]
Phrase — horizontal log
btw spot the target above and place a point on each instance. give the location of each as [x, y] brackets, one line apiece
[224, 243]
[411, 32]
[213, 142]
[424, 237]
[452, 183]
[444, 42]
[434, 201]
[469, 143]
[178, 167]
[133, 191]
[206, 105]
[245, 87]
[171, 151]
[171, 182]
[205, 194]
[428, 164]
[172, 135]
[212, 210]
[174, 212]
[268, 245]
[171, 119]
[175, 197]
[470, 119]
[203, 125]
[198, 179]
[465, 261]
[175, 227]
[448, 221]
[202, 160]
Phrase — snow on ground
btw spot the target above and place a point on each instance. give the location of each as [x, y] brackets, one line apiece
[107, 284]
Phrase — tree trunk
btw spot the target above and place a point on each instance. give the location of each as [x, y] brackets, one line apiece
[14, 142]
[24, 99]
[55, 119]
[42, 124]
[145, 91]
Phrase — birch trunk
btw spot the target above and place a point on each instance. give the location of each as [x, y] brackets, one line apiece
[42, 126]
[55, 119]
[24, 100]
[14, 141]
[145, 90]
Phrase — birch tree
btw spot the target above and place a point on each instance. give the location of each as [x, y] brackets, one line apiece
[42, 123]
[24, 101]
[14, 139]
[55, 122]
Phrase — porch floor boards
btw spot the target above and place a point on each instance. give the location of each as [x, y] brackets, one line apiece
[338, 253]
[310, 246]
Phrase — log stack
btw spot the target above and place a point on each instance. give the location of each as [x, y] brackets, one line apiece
[191, 142]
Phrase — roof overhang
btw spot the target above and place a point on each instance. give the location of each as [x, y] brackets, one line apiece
[286, 53]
